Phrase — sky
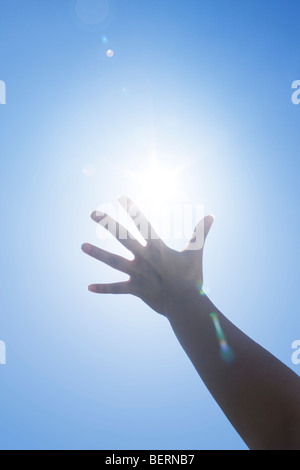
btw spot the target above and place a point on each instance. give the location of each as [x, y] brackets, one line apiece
[203, 86]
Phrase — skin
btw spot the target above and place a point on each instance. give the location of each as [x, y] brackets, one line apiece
[259, 394]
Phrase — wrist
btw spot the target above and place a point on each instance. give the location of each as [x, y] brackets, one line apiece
[186, 298]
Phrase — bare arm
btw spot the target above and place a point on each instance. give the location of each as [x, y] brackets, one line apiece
[258, 393]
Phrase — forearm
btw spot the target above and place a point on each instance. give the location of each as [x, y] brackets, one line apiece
[242, 382]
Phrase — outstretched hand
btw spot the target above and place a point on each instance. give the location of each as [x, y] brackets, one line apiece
[169, 282]
[157, 273]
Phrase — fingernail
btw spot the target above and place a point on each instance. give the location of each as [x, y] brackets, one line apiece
[86, 247]
[209, 220]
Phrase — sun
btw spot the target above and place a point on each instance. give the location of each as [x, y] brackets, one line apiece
[160, 191]
[157, 184]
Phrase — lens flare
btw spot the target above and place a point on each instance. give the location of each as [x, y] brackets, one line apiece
[110, 53]
[104, 38]
[226, 352]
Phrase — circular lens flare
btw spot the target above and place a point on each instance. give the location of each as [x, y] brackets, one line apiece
[110, 53]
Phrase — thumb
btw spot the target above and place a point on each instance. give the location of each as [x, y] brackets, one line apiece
[200, 233]
[208, 221]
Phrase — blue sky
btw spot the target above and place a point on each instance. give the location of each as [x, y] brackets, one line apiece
[202, 84]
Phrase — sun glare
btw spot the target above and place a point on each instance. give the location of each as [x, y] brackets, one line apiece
[157, 184]
[158, 188]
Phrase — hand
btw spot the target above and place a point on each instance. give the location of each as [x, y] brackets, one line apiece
[157, 273]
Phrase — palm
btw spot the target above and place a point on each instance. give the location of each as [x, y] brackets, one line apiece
[157, 272]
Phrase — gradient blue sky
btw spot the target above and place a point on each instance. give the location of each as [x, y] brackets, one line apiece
[203, 83]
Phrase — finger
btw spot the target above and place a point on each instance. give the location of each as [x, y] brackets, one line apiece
[115, 288]
[144, 227]
[115, 261]
[117, 230]
[200, 233]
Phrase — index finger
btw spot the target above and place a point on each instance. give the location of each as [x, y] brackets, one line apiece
[141, 222]
[116, 229]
